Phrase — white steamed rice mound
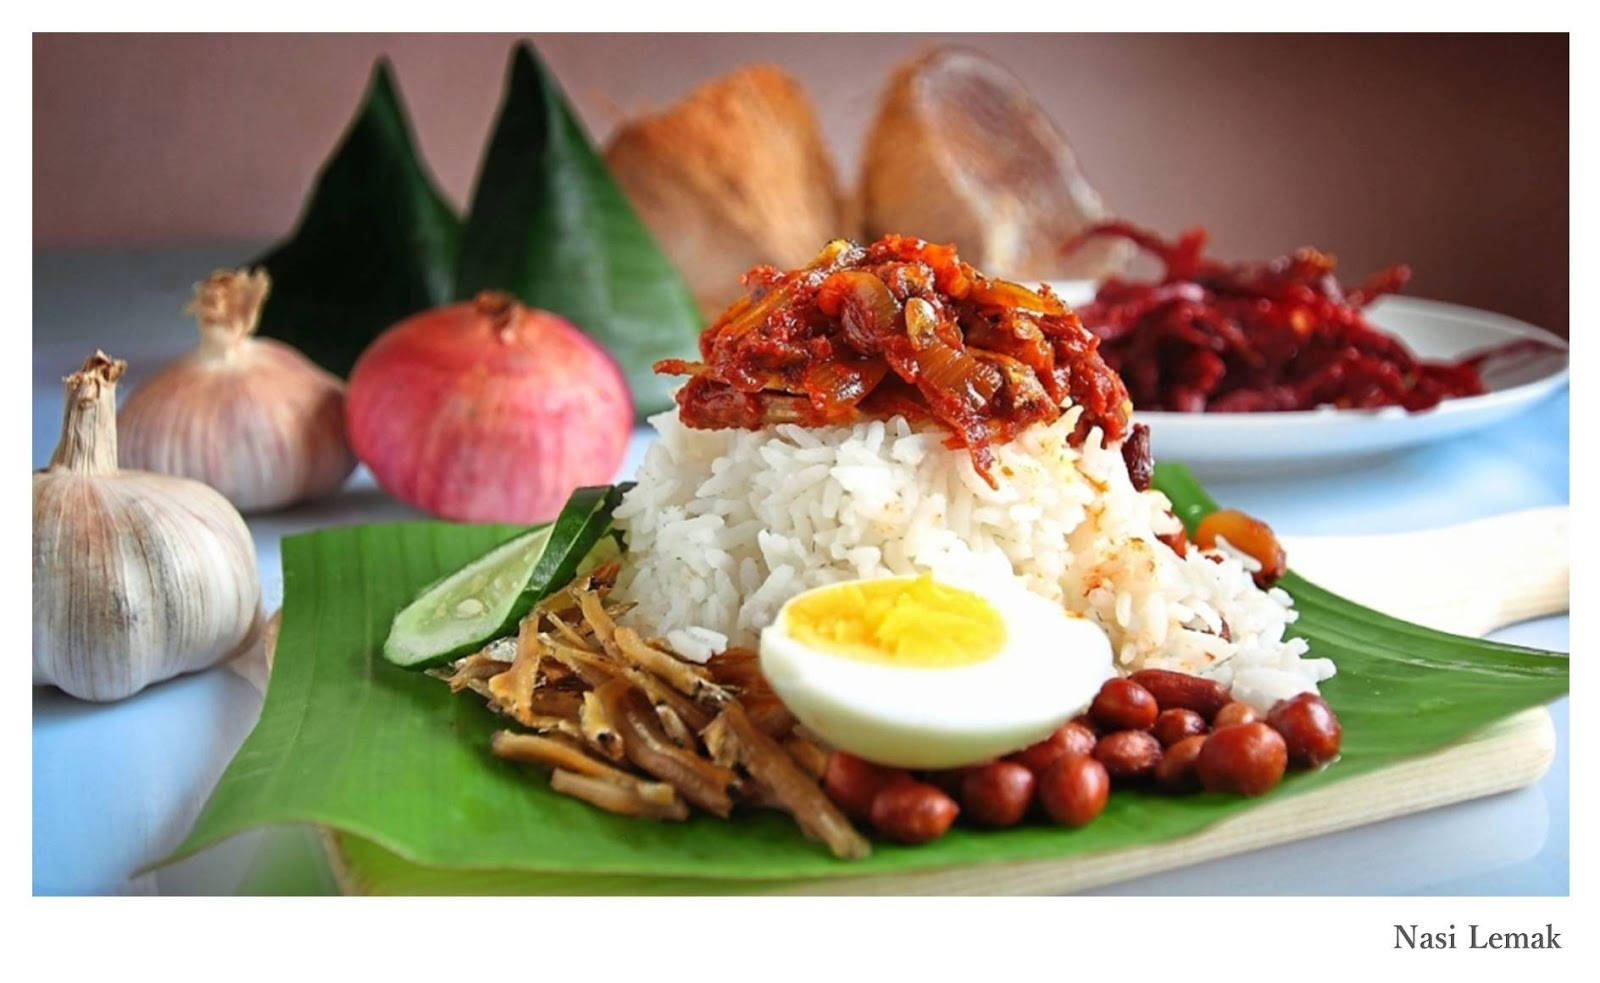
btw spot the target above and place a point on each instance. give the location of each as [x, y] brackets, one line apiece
[724, 526]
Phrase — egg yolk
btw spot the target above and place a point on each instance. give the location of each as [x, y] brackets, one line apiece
[910, 622]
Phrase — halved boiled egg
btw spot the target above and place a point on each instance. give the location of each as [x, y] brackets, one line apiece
[915, 672]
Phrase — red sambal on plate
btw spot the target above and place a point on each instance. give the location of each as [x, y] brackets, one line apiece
[1269, 336]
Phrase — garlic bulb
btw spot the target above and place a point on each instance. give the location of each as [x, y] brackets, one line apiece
[251, 417]
[137, 577]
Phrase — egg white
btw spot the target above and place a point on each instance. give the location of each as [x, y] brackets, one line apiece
[1046, 672]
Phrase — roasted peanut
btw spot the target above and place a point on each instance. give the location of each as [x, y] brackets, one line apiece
[1073, 789]
[1247, 759]
[1248, 535]
[997, 794]
[1309, 728]
[1128, 754]
[1136, 455]
[1235, 713]
[1176, 770]
[912, 812]
[1071, 737]
[1123, 704]
[1181, 691]
[852, 783]
[1174, 725]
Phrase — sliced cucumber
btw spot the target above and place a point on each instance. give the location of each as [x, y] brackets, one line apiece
[485, 599]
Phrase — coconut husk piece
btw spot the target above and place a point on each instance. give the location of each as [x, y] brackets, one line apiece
[734, 175]
[960, 152]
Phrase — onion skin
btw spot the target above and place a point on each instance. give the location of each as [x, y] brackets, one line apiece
[487, 411]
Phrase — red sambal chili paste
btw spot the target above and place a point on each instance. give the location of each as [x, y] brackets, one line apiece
[1264, 336]
[901, 326]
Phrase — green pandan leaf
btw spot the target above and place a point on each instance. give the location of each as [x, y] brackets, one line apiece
[376, 242]
[399, 768]
[549, 224]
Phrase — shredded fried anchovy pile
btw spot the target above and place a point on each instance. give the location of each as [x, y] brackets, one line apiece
[627, 726]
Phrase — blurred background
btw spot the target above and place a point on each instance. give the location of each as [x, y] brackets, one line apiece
[1449, 153]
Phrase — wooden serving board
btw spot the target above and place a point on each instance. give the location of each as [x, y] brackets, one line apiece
[1443, 586]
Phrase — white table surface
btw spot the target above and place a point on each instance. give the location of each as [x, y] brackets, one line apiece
[115, 787]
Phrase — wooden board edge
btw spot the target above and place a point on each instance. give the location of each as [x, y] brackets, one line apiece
[344, 876]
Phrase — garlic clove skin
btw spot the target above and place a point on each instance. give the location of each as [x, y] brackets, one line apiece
[137, 577]
[266, 429]
[251, 417]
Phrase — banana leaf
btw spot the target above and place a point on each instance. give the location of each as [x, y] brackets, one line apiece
[549, 224]
[399, 768]
[376, 242]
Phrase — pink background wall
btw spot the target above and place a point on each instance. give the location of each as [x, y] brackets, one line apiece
[1448, 153]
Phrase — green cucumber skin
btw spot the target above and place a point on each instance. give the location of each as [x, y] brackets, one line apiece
[555, 568]
[550, 577]
[397, 658]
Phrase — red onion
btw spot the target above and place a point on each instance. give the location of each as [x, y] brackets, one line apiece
[487, 411]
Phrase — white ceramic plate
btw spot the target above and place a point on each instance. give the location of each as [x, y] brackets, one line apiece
[1432, 329]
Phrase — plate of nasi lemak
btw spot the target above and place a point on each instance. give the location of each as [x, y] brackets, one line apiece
[899, 591]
